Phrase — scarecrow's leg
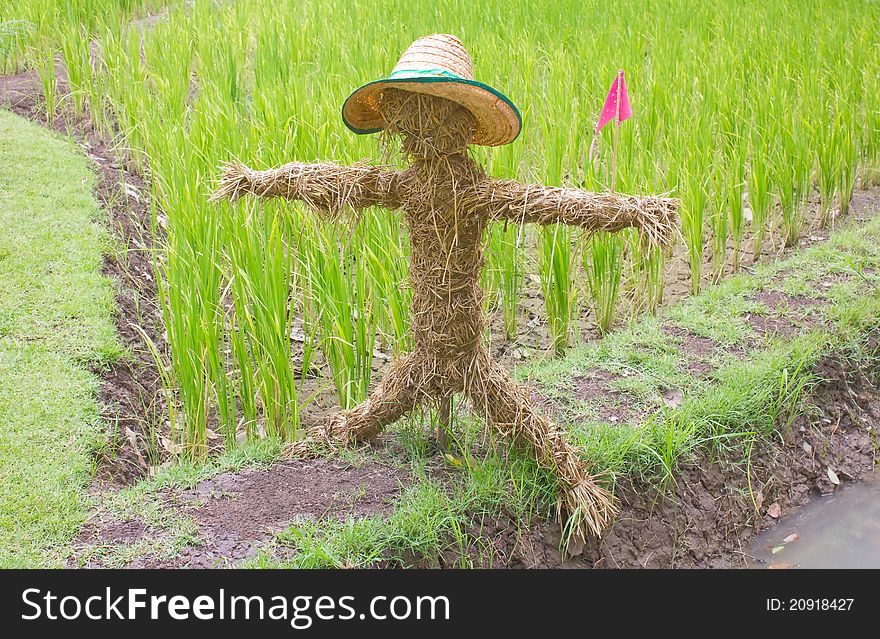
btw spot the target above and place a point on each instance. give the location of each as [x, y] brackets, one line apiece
[400, 391]
[444, 422]
[584, 507]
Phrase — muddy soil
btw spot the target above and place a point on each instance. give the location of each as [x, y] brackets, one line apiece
[235, 513]
[708, 518]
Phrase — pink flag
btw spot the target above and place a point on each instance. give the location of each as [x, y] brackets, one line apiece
[609, 111]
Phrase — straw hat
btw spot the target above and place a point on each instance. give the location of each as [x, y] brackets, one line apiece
[438, 65]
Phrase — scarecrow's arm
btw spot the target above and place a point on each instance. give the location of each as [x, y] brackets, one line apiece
[655, 217]
[326, 188]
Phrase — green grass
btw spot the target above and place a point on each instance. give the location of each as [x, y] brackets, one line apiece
[430, 516]
[56, 324]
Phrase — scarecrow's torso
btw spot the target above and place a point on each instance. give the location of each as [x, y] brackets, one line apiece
[446, 261]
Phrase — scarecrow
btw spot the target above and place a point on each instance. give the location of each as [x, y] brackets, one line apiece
[432, 107]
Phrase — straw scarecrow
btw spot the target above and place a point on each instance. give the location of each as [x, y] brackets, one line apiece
[433, 108]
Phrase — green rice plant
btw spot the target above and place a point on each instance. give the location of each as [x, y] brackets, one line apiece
[791, 170]
[193, 322]
[554, 258]
[718, 220]
[48, 81]
[735, 153]
[760, 195]
[14, 34]
[505, 271]
[339, 303]
[848, 167]
[603, 263]
[24, 24]
[76, 52]
[803, 172]
[828, 163]
[654, 279]
[692, 224]
[385, 253]
[555, 241]
[871, 136]
[786, 190]
[261, 282]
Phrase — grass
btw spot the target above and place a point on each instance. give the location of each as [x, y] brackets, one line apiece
[56, 327]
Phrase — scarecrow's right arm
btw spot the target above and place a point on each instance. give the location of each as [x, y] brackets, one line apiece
[328, 189]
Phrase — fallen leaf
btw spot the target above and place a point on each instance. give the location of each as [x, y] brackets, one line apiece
[832, 477]
[775, 510]
[781, 566]
[777, 549]
[835, 427]
[673, 397]
[807, 448]
[792, 537]
[132, 439]
[759, 500]
[453, 460]
[169, 445]
[575, 547]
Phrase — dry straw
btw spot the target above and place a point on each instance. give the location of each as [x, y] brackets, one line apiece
[447, 202]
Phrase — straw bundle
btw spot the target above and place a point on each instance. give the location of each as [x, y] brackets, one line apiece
[654, 217]
[328, 189]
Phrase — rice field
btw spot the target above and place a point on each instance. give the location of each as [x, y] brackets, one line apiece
[750, 112]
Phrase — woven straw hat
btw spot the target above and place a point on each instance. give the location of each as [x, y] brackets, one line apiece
[438, 65]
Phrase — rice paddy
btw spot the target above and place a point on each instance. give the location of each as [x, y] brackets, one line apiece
[750, 113]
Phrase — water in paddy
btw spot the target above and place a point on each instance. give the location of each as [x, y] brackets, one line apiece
[838, 531]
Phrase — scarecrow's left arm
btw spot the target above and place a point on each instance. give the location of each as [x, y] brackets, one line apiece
[329, 189]
[654, 217]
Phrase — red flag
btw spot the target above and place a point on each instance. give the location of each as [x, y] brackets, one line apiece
[610, 110]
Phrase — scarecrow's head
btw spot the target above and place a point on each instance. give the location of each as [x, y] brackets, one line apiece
[433, 101]
[425, 125]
